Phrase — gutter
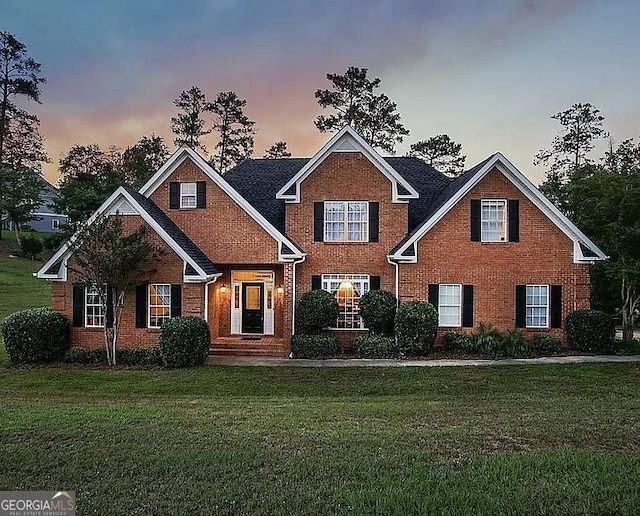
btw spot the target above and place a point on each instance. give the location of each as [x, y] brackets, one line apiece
[293, 294]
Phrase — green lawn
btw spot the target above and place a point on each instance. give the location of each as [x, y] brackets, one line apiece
[215, 440]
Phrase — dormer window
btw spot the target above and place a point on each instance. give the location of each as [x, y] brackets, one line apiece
[188, 195]
[346, 221]
[494, 220]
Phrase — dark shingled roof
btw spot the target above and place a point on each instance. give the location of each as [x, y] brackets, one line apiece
[194, 252]
[258, 181]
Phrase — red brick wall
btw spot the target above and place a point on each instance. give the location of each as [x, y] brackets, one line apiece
[543, 255]
[346, 176]
[219, 228]
[166, 269]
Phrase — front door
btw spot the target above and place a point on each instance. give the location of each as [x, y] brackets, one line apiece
[253, 308]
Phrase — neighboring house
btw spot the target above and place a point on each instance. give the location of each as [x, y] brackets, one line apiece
[241, 248]
[45, 219]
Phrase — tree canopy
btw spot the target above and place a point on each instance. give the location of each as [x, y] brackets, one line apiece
[354, 102]
[189, 124]
[442, 153]
[277, 150]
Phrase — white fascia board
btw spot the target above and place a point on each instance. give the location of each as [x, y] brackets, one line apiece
[64, 251]
[528, 189]
[361, 146]
[184, 152]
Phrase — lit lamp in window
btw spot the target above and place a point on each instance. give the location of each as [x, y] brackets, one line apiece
[280, 290]
[223, 289]
[345, 293]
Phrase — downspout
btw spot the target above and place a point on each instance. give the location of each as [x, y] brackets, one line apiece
[293, 294]
[206, 297]
[396, 289]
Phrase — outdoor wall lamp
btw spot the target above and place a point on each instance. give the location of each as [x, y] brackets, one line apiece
[280, 290]
[223, 289]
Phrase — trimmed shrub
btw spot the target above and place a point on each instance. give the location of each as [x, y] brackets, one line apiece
[627, 347]
[416, 326]
[35, 335]
[378, 311]
[546, 343]
[317, 345]
[455, 340]
[316, 311]
[53, 241]
[126, 356]
[376, 346]
[184, 342]
[590, 330]
[30, 246]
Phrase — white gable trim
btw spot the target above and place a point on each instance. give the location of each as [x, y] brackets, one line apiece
[111, 206]
[348, 140]
[529, 190]
[184, 152]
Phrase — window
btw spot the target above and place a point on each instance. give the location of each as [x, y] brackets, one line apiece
[537, 306]
[348, 289]
[94, 310]
[494, 220]
[55, 224]
[188, 195]
[159, 304]
[450, 305]
[346, 221]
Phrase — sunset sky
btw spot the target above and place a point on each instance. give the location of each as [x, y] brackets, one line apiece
[488, 73]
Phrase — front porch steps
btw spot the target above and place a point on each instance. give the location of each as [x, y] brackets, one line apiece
[259, 346]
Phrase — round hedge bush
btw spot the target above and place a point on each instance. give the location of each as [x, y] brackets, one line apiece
[416, 326]
[319, 345]
[35, 335]
[378, 311]
[184, 342]
[316, 311]
[590, 330]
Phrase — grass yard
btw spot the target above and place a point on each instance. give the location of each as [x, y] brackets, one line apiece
[493, 440]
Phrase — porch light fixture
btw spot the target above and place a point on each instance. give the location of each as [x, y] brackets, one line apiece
[223, 289]
[280, 290]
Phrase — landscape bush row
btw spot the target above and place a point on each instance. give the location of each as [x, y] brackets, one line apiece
[39, 335]
[409, 329]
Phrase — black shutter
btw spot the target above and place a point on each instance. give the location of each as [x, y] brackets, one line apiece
[521, 306]
[374, 221]
[109, 316]
[374, 282]
[467, 306]
[318, 221]
[434, 294]
[174, 195]
[141, 306]
[201, 194]
[556, 306]
[176, 300]
[514, 220]
[78, 304]
[475, 220]
[316, 282]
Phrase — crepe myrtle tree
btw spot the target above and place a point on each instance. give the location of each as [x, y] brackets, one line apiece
[105, 254]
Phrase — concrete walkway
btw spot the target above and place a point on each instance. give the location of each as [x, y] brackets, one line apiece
[363, 362]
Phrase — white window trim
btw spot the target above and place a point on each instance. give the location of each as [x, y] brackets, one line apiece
[506, 221]
[459, 305]
[149, 302]
[103, 308]
[55, 224]
[345, 222]
[325, 278]
[537, 306]
[194, 195]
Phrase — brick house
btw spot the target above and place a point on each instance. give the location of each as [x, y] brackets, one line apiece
[486, 246]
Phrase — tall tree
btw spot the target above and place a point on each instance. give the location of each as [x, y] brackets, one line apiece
[23, 143]
[354, 101]
[442, 153]
[19, 77]
[189, 124]
[114, 260]
[142, 160]
[20, 194]
[89, 176]
[581, 126]
[235, 131]
[277, 150]
[625, 159]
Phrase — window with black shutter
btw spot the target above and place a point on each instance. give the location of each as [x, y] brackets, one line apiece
[374, 221]
[318, 221]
